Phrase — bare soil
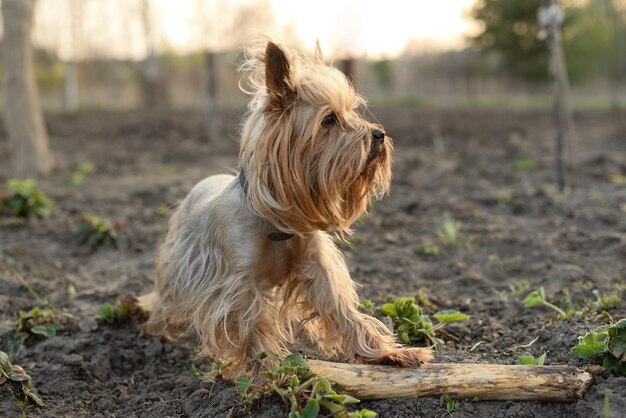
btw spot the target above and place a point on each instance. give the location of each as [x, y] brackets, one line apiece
[457, 163]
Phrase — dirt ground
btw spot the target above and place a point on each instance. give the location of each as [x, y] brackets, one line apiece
[464, 164]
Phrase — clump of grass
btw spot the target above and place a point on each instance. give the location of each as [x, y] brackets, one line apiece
[606, 344]
[98, 232]
[126, 309]
[537, 298]
[307, 395]
[17, 378]
[25, 200]
[410, 323]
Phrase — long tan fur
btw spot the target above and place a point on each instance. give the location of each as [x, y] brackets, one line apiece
[218, 274]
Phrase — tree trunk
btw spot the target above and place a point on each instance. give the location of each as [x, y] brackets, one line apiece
[28, 140]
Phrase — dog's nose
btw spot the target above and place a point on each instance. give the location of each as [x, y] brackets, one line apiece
[378, 135]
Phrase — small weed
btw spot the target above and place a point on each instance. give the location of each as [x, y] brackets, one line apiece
[504, 197]
[38, 321]
[126, 309]
[218, 370]
[18, 379]
[430, 249]
[527, 164]
[537, 298]
[368, 306]
[605, 300]
[78, 177]
[306, 394]
[450, 404]
[450, 233]
[25, 200]
[201, 370]
[168, 169]
[531, 361]
[412, 326]
[163, 209]
[606, 343]
[98, 232]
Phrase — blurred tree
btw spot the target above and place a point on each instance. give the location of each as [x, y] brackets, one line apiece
[28, 140]
[511, 29]
[383, 69]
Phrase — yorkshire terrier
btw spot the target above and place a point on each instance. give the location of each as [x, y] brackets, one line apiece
[249, 260]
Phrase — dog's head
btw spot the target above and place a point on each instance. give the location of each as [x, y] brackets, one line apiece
[311, 161]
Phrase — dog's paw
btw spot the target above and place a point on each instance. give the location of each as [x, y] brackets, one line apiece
[407, 356]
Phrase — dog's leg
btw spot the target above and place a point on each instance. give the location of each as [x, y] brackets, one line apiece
[332, 298]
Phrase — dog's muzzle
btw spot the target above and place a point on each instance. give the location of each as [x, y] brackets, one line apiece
[378, 138]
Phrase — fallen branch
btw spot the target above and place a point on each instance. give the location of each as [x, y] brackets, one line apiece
[495, 382]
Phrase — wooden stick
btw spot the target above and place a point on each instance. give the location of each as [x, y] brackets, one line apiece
[495, 382]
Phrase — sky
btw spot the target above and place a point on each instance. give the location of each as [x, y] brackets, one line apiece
[358, 27]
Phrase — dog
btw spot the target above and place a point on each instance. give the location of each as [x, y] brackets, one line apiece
[249, 261]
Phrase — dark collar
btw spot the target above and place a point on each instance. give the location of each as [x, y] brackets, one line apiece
[272, 235]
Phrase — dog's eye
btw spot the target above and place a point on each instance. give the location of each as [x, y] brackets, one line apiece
[329, 121]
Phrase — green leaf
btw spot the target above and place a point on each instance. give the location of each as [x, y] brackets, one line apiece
[535, 298]
[617, 339]
[106, 313]
[448, 316]
[613, 365]
[531, 361]
[591, 345]
[334, 409]
[5, 364]
[311, 410]
[49, 330]
[363, 413]
[295, 362]
[389, 309]
[342, 399]
[541, 359]
[525, 360]
[324, 385]
[17, 342]
[244, 383]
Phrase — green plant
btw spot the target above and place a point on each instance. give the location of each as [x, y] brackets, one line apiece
[40, 320]
[450, 233]
[537, 298]
[306, 394]
[606, 343]
[527, 164]
[412, 326]
[450, 404]
[125, 309]
[78, 177]
[18, 379]
[430, 249]
[98, 232]
[605, 300]
[25, 200]
[531, 361]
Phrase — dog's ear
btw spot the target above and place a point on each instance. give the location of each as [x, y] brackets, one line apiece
[319, 58]
[278, 76]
